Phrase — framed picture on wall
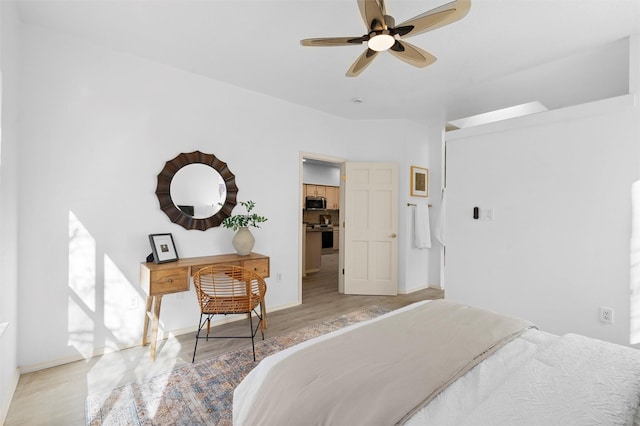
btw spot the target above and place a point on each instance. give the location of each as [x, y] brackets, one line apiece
[164, 250]
[419, 181]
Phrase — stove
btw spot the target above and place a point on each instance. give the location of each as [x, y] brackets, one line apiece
[320, 226]
[327, 235]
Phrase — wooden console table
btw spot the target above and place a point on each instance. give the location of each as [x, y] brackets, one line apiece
[158, 279]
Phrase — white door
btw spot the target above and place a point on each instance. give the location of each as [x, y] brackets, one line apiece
[371, 228]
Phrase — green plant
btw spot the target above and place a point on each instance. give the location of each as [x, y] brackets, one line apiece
[238, 221]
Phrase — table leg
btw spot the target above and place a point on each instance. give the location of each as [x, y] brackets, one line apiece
[147, 313]
[263, 312]
[157, 300]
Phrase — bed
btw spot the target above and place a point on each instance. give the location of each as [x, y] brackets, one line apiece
[442, 363]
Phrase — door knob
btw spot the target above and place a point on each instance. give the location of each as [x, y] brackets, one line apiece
[393, 235]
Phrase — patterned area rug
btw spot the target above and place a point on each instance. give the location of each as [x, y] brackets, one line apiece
[200, 393]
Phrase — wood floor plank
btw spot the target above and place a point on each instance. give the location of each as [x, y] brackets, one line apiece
[56, 396]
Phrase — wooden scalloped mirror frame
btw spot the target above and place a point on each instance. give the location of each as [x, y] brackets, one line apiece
[163, 190]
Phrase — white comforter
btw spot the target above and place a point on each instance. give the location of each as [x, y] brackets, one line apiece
[537, 379]
[543, 379]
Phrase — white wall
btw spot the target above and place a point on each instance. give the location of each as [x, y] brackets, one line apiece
[8, 205]
[422, 266]
[558, 247]
[96, 128]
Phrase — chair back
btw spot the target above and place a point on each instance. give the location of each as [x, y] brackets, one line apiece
[228, 289]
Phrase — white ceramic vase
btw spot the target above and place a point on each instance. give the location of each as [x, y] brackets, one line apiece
[243, 241]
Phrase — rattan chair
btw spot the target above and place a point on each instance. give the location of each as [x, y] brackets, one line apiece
[228, 289]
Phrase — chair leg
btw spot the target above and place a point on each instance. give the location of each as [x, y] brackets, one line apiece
[253, 345]
[197, 336]
[262, 327]
[253, 331]
[200, 325]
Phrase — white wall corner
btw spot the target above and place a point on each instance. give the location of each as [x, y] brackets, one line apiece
[7, 396]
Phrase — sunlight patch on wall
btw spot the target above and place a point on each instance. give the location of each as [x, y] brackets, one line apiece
[634, 337]
[82, 286]
[123, 308]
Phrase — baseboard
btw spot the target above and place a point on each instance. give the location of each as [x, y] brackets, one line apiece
[413, 290]
[8, 397]
[287, 306]
[72, 358]
[161, 336]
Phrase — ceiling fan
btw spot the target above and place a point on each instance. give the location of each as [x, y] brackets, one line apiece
[385, 35]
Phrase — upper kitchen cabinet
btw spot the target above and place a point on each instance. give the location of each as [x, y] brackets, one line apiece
[333, 197]
[315, 191]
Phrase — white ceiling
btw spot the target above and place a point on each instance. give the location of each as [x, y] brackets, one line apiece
[504, 52]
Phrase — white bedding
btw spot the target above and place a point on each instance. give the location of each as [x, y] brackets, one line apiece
[543, 379]
[537, 379]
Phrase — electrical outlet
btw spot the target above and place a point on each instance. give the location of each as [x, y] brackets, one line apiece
[133, 303]
[278, 277]
[606, 315]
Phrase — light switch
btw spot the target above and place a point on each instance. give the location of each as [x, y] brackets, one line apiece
[489, 214]
[486, 214]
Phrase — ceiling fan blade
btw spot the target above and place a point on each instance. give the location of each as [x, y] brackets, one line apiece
[361, 63]
[373, 12]
[434, 18]
[411, 54]
[332, 41]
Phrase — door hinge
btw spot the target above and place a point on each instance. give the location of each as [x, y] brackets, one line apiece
[342, 271]
[344, 178]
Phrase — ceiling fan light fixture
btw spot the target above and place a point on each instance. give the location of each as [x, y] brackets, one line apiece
[381, 42]
[383, 33]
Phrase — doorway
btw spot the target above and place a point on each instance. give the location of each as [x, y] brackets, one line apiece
[320, 178]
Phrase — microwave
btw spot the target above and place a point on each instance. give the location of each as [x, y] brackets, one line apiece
[315, 203]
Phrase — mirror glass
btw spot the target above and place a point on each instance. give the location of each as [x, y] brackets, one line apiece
[198, 190]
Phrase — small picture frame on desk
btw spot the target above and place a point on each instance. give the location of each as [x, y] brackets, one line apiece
[163, 247]
[419, 182]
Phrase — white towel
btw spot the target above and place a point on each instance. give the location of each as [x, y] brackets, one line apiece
[440, 225]
[422, 233]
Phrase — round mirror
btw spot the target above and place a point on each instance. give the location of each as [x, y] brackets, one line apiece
[196, 190]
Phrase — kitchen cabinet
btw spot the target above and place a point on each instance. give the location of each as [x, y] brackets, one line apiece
[304, 196]
[315, 190]
[336, 238]
[313, 251]
[333, 197]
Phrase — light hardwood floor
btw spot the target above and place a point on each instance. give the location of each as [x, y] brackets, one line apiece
[56, 396]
